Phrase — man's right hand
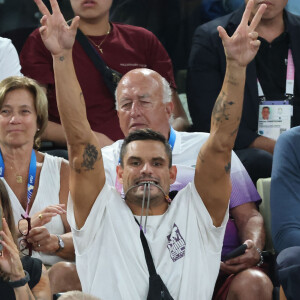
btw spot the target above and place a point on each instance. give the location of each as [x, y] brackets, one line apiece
[56, 34]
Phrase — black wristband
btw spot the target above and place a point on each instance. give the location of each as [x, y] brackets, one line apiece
[21, 282]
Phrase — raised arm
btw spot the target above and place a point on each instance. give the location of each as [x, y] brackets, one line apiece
[212, 177]
[87, 175]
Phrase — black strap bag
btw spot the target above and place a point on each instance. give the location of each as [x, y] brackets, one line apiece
[157, 288]
[111, 77]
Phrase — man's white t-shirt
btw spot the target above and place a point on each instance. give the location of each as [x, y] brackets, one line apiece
[184, 243]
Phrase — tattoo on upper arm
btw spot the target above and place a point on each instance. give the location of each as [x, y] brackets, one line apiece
[220, 110]
[90, 156]
[61, 58]
[228, 168]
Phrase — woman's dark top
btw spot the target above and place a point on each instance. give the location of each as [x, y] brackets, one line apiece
[33, 266]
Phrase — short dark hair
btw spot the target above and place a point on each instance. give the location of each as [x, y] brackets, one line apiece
[145, 135]
[266, 107]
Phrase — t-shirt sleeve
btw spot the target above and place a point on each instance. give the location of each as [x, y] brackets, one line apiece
[212, 236]
[243, 189]
[109, 162]
[36, 60]
[84, 237]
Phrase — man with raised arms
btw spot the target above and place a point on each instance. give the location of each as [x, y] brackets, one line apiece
[185, 237]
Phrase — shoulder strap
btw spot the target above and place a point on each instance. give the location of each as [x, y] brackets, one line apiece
[111, 77]
[91, 52]
[148, 256]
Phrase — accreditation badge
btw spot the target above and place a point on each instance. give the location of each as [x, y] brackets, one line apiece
[274, 117]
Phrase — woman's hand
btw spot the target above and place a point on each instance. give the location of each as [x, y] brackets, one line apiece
[10, 263]
[42, 217]
[45, 216]
[42, 240]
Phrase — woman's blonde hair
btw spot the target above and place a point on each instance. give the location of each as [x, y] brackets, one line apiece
[40, 101]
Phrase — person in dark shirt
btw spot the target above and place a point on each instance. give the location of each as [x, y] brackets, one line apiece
[278, 32]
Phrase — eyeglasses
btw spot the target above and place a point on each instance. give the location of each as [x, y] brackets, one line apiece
[24, 226]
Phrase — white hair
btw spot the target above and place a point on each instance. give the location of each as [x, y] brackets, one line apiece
[167, 92]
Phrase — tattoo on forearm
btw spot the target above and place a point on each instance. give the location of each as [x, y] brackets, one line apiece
[61, 58]
[90, 156]
[232, 80]
[220, 110]
[228, 167]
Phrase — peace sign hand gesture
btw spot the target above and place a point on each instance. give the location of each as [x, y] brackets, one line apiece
[56, 34]
[243, 45]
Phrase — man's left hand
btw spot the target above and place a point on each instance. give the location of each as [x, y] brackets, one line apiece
[249, 259]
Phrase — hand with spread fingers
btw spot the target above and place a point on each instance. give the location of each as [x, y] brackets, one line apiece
[10, 263]
[45, 216]
[243, 45]
[56, 34]
[11, 269]
[249, 259]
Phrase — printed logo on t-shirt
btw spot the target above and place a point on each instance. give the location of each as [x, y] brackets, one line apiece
[176, 244]
[133, 65]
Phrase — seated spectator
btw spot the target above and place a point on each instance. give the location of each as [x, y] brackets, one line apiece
[37, 183]
[245, 224]
[285, 207]
[121, 47]
[99, 204]
[278, 31]
[9, 59]
[24, 278]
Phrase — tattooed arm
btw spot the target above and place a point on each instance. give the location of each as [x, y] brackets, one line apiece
[87, 175]
[212, 177]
